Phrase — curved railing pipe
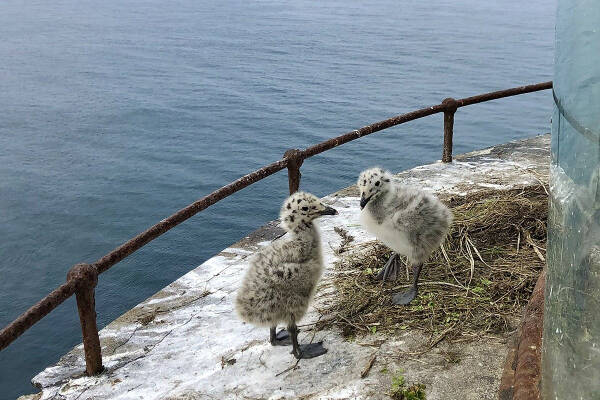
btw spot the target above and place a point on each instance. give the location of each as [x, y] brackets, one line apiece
[82, 278]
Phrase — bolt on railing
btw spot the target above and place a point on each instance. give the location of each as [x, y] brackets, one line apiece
[82, 278]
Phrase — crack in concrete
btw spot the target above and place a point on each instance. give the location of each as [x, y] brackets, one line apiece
[150, 348]
[126, 341]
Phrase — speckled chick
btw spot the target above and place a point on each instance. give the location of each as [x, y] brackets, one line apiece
[410, 221]
[282, 277]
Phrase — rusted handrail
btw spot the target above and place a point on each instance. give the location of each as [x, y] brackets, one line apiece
[37, 312]
[82, 278]
[104, 263]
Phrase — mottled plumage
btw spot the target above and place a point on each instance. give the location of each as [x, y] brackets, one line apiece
[282, 277]
[408, 220]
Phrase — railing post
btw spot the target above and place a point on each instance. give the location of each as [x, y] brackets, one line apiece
[450, 108]
[86, 277]
[295, 160]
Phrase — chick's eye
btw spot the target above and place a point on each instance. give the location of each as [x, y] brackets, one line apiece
[304, 208]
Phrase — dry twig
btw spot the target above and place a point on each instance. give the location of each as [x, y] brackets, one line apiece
[368, 367]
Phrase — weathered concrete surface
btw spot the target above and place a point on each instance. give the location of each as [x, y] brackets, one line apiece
[186, 343]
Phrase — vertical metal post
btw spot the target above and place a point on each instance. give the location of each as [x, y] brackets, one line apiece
[86, 277]
[451, 106]
[295, 161]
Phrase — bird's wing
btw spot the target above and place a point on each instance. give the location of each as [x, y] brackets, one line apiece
[417, 206]
[403, 220]
[269, 266]
[286, 274]
[295, 251]
[281, 252]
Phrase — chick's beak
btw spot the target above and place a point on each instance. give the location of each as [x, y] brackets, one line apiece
[328, 211]
[363, 201]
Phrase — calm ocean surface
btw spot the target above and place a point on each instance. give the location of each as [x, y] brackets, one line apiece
[115, 114]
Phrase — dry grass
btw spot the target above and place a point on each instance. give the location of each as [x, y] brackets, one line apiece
[476, 284]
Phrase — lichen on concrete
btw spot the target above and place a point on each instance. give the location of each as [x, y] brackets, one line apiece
[186, 342]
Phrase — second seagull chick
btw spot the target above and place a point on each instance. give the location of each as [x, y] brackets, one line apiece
[283, 276]
[408, 220]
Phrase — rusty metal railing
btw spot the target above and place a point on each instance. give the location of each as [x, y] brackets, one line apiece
[82, 278]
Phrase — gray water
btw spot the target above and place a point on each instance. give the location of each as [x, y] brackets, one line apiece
[115, 114]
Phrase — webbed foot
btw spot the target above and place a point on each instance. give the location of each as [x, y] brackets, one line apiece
[404, 298]
[310, 350]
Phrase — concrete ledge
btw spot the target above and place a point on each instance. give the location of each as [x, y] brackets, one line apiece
[186, 343]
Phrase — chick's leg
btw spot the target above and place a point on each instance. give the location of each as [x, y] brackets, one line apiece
[281, 338]
[391, 269]
[306, 351]
[404, 298]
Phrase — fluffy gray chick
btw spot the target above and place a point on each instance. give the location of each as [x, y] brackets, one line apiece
[283, 276]
[408, 220]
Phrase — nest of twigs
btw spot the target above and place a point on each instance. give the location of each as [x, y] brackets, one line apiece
[476, 284]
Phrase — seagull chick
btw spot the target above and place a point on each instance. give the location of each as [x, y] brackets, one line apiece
[283, 276]
[408, 220]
